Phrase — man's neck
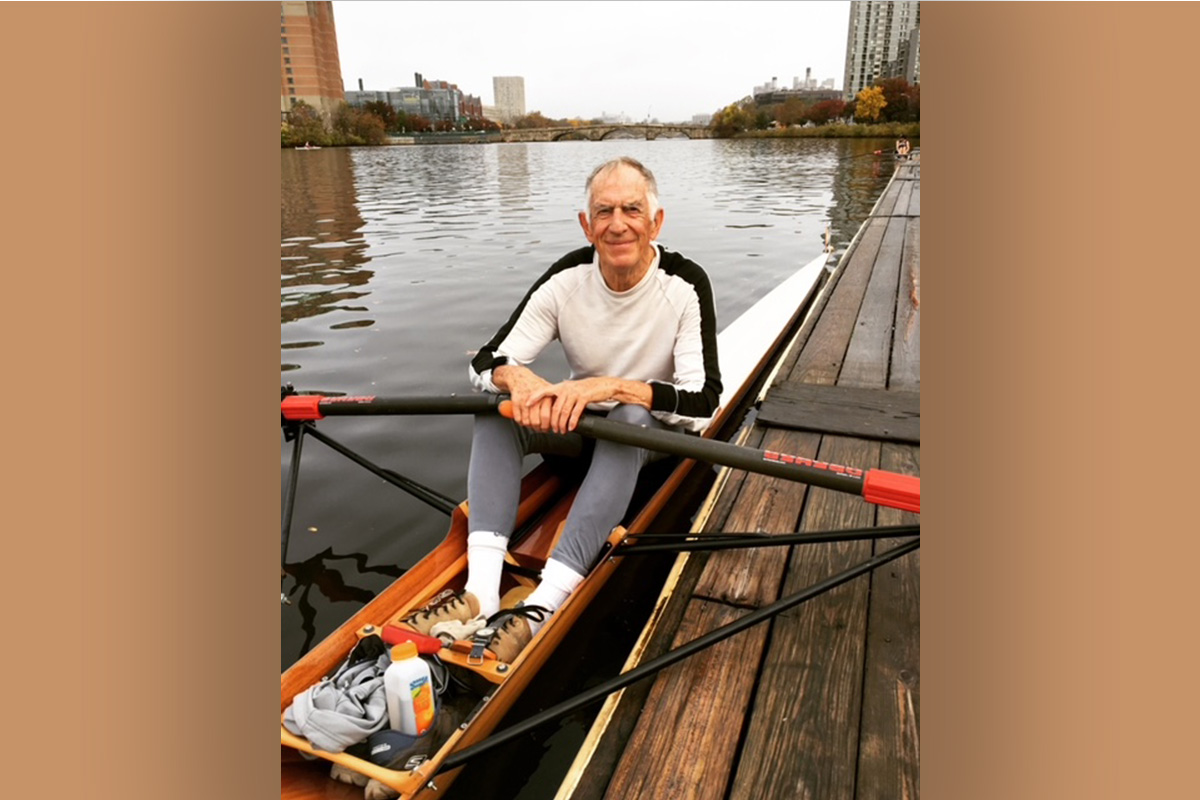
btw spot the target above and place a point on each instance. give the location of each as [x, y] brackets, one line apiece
[622, 280]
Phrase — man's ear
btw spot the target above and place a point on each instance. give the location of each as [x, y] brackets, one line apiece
[587, 229]
[658, 221]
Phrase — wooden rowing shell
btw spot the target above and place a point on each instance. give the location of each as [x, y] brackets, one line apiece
[745, 347]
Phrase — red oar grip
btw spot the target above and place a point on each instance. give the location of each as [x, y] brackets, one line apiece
[505, 409]
[301, 407]
[892, 490]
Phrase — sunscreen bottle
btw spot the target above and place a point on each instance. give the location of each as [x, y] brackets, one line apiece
[409, 689]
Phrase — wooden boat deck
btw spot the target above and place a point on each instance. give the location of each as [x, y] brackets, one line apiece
[824, 700]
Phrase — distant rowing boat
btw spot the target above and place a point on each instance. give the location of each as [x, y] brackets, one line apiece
[745, 348]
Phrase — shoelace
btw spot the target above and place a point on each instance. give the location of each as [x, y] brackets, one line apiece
[501, 617]
[446, 598]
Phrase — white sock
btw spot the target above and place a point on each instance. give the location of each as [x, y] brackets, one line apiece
[558, 581]
[485, 563]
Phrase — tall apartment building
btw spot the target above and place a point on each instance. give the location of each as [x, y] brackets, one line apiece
[309, 68]
[509, 96]
[883, 41]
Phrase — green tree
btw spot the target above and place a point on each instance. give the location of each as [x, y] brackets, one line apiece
[870, 104]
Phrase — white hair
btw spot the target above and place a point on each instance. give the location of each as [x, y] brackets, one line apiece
[609, 166]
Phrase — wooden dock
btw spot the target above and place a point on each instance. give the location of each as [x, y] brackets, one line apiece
[823, 701]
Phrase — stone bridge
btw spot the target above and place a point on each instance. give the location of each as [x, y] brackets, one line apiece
[596, 133]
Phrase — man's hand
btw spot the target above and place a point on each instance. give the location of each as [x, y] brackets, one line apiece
[521, 383]
[571, 398]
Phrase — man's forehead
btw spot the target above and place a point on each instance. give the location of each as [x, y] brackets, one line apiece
[622, 184]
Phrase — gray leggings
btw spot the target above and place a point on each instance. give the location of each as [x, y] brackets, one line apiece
[494, 481]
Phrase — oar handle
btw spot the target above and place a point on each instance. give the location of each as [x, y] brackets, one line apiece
[875, 486]
[303, 407]
[893, 490]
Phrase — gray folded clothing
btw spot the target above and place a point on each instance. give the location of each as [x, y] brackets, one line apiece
[343, 710]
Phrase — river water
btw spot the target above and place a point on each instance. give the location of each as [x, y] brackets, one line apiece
[397, 263]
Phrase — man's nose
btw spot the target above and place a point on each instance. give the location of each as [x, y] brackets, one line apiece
[618, 220]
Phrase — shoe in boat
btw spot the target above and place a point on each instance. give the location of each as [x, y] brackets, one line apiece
[512, 631]
[374, 790]
[347, 775]
[447, 607]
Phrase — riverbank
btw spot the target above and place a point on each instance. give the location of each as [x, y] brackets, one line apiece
[889, 130]
[886, 130]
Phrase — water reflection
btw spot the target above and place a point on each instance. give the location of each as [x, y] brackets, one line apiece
[319, 574]
[321, 253]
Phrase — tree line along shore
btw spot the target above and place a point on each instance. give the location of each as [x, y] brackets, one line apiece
[890, 108]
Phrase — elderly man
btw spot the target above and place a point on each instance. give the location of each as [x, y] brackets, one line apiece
[638, 326]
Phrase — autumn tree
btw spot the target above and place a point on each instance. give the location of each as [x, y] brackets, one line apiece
[870, 102]
[304, 125]
[897, 94]
[357, 126]
[535, 119]
[824, 111]
[382, 110]
[731, 120]
[790, 112]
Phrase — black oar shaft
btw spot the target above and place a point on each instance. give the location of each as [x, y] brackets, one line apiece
[673, 656]
[311, 406]
[289, 502]
[727, 542]
[423, 493]
[765, 462]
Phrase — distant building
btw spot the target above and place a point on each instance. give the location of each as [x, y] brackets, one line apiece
[806, 90]
[701, 119]
[437, 101]
[508, 93]
[770, 93]
[309, 68]
[883, 41]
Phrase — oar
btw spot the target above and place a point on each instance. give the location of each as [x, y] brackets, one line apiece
[302, 407]
[875, 486]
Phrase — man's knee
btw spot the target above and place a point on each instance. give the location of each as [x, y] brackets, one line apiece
[636, 415]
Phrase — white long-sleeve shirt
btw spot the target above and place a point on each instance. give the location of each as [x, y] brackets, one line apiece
[662, 331]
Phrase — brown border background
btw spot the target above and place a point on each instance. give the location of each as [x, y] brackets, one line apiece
[141, 196]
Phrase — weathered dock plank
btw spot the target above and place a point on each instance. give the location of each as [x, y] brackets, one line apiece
[866, 361]
[821, 359]
[893, 416]
[905, 370]
[802, 740]
[889, 758]
[697, 738]
[751, 577]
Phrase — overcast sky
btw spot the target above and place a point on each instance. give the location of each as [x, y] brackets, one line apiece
[665, 60]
